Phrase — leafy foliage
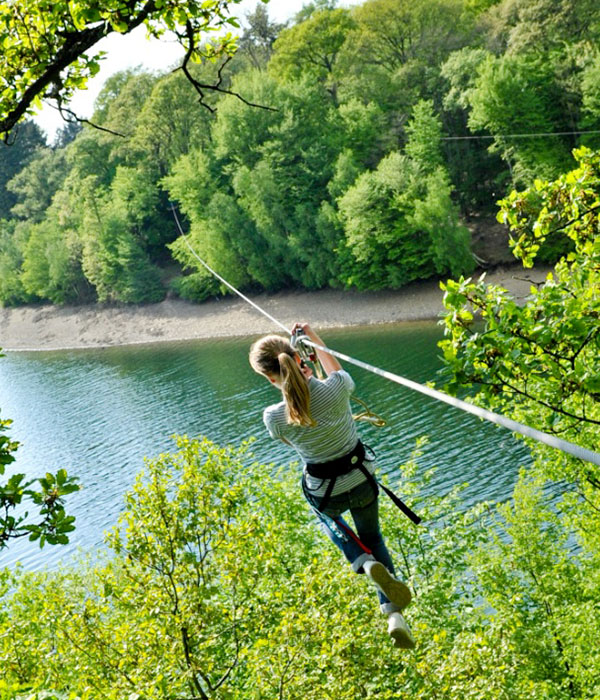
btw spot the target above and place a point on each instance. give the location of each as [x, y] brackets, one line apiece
[400, 222]
[45, 46]
[536, 112]
[539, 361]
[219, 585]
[14, 157]
[311, 48]
[46, 493]
[364, 106]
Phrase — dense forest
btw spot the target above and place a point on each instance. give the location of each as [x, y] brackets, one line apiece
[381, 135]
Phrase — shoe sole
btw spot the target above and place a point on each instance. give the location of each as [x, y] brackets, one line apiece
[402, 639]
[395, 591]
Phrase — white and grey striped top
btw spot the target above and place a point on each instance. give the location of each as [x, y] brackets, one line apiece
[333, 436]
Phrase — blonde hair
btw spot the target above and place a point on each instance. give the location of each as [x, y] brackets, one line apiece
[274, 356]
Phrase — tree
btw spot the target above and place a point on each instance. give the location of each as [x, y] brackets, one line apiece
[170, 122]
[476, 172]
[538, 362]
[399, 220]
[293, 173]
[36, 184]
[309, 8]
[238, 132]
[114, 258]
[14, 157]
[385, 251]
[259, 36]
[220, 586]
[13, 239]
[45, 493]
[219, 231]
[311, 48]
[120, 102]
[390, 34]
[48, 49]
[542, 26]
[495, 109]
[66, 134]
[424, 133]
[51, 267]
[393, 53]
[269, 172]
[590, 88]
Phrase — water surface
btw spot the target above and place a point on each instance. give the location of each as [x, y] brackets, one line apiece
[99, 412]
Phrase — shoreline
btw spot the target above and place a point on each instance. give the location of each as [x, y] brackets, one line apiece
[47, 327]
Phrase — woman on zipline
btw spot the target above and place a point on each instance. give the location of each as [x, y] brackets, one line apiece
[315, 418]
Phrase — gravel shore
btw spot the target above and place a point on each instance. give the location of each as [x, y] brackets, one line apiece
[52, 327]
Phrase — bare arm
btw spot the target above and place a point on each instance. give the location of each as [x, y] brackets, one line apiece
[329, 362]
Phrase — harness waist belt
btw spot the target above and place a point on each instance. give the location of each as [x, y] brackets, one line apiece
[339, 466]
[344, 465]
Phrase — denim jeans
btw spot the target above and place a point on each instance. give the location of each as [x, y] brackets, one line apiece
[363, 505]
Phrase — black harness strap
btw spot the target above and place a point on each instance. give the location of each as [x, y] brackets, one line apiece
[344, 465]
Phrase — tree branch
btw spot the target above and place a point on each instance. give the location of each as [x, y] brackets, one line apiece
[200, 87]
[186, 650]
[72, 118]
[76, 44]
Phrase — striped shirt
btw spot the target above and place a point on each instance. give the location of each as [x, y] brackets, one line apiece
[333, 436]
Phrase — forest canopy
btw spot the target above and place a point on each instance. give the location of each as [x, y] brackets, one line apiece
[385, 135]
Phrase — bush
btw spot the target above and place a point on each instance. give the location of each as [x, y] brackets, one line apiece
[220, 586]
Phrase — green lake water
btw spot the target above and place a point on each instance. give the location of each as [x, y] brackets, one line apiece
[99, 412]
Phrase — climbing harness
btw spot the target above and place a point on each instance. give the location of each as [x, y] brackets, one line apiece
[550, 440]
[334, 468]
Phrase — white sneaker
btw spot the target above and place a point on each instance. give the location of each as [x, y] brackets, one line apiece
[394, 590]
[400, 632]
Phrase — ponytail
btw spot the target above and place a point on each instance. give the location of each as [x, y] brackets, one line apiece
[295, 392]
[274, 356]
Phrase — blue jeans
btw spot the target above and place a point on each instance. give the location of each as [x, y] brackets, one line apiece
[363, 505]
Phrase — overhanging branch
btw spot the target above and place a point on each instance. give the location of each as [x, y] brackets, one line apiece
[72, 118]
[76, 43]
[216, 87]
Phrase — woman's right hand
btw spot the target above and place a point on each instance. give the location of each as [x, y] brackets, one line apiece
[329, 362]
[303, 328]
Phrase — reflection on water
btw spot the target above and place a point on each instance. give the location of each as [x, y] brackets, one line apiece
[99, 412]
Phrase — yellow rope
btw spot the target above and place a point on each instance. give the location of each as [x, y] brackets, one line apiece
[367, 415]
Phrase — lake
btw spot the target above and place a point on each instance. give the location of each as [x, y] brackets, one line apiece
[98, 413]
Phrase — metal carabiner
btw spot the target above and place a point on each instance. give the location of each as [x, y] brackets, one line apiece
[299, 346]
[306, 353]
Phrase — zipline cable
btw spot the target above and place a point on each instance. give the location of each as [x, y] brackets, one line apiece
[516, 427]
[551, 440]
[222, 279]
[531, 135]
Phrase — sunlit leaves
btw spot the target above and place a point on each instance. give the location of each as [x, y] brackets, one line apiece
[537, 111]
[219, 585]
[47, 493]
[539, 360]
[399, 221]
[45, 45]
[311, 48]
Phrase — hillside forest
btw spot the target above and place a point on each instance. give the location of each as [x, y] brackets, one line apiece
[382, 136]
